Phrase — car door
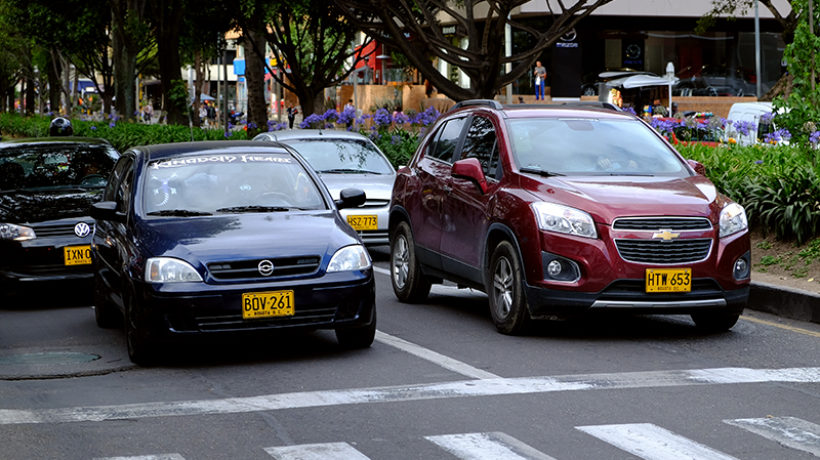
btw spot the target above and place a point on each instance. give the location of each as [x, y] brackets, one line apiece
[466, 207]
[110, 236]
[433, 172]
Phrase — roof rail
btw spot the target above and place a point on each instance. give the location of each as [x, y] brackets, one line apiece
[595, 104]
[477, 102]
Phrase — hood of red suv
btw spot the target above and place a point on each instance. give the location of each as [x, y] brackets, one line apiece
[610, 197]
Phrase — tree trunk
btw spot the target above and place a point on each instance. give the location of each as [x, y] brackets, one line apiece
[169, 17]
[197, 90]
[125, 54]
[53, 73]
[31, 97]
[255, 78]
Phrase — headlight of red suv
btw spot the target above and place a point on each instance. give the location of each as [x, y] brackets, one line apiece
[553, 217]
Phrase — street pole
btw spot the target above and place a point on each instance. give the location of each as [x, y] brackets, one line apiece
[507, 53]
[757, 50]
[811, 31]
[225, 87]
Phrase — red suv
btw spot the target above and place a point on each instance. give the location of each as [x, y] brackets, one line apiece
[555, 211]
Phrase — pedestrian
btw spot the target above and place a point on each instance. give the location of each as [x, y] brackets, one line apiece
[351, 110]
[147, 112]
[540, 78]
[292, 111]
[211, 114]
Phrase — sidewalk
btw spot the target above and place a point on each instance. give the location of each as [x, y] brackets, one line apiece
[784, 301]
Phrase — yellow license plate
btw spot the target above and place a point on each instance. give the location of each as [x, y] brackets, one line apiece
[77, 255]
[368, 222]
[267, 304]
[668, 279]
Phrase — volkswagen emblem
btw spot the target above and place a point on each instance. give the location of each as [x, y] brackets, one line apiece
[82, 229]
[265, 267]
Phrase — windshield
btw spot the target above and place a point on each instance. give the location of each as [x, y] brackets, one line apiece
[53, 166]
[341, 155]
[591, 147]
[230, 183]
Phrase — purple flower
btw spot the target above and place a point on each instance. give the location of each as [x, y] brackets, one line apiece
[347, 116]
[781, 134]
[766, 118]
[311, 121]
[112, 124]
[227, 134]
[759, 162]
[401, 118]
[630, 110]
[330, 115]
[230, 126]
[814, 137]
[382, 117]
[744, 127]
[93, 128]
[251, 125]
[395, 139]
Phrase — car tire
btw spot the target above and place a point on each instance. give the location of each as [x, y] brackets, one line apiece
[409, 284]
[505, 289]
[357, 337]
[105, 314]
[715, 321]
[141, 349]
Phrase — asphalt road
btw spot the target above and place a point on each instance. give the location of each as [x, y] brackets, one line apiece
[439, 383]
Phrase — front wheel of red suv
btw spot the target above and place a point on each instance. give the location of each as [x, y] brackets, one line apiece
[508, 302]
[409, 283]
[715, 321]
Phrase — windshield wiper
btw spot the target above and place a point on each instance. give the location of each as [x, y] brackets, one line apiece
[179, 212]
[347, 171]
[539, 171]
[255, 209]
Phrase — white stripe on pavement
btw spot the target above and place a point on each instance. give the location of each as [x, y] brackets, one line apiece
[788, 431]
[445, 289]
[434, 357]
[652, 442]
[381, 270]
[146, 457]
[416, 392]
[487, 446]
[324, 451]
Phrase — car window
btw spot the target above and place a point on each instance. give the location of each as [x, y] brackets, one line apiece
[115, 178]
[447, 139]
[592, 147]
[225, 183]
[124, 188]
[341, 155]
[53, 166]
[481, 143]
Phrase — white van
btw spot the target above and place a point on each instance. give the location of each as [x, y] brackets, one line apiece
[750, 112]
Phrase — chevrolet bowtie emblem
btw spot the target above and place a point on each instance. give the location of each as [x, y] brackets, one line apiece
[665, 235]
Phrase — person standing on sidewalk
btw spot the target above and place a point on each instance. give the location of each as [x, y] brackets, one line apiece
[292, 111]
[540, 78]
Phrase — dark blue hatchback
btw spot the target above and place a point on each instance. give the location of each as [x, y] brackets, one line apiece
[209, 237]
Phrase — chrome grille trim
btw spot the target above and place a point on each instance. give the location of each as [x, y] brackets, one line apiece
[249, 269]
[653, 224]
[664, 252]
[59, 230]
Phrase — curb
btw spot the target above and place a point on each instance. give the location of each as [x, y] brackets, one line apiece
[785, 302]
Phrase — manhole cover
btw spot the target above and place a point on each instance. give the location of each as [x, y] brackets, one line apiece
[49, 357]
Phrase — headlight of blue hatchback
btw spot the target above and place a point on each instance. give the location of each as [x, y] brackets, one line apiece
[169, 270]
[16, 232]
[732, 220]
[563, 219]
[349, 258]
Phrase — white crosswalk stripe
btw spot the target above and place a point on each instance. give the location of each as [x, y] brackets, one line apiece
[322, 451]
[486, 446]
[652, 442]
[788, 431]
[146, 457]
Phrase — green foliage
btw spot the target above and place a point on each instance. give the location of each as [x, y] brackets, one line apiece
[179, 95]
[121, 135]
[810, 253]
[398, 144]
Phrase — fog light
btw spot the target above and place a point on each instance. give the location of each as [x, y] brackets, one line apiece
[742, 268]
[554, 268]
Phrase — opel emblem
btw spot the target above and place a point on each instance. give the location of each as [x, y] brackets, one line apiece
[265, 267]
[82, 229]
[665, 235]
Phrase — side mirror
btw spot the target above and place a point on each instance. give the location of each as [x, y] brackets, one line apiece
[350, 198]
[470, 169]
[106, 210]
[697, 166]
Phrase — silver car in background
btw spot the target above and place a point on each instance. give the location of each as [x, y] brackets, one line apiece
[345, 159]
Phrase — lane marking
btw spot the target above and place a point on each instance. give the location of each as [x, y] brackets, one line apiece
[146, 457]
[487, 446]
[323, 451]
[416, 392]
[445, 289]
[381, 270]
[788, 431]
[434, 357]
[652, 442]
[781, 326]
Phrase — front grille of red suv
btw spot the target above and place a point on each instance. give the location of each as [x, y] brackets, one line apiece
[655, 224]
[664, 252]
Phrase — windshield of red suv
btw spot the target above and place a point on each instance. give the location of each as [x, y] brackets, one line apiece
[584, 146]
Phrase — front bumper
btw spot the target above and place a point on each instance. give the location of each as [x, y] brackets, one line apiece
[318, 305]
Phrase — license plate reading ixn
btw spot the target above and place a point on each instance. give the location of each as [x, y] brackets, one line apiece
[77, 255]
[267, 304]
[668, 280]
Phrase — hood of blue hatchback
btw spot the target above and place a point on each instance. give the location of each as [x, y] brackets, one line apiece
[209, 239]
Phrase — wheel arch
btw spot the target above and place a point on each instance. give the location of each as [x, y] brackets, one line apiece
[497, 233]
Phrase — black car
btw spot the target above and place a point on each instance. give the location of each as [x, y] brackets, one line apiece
[46, 188]
[219, 237]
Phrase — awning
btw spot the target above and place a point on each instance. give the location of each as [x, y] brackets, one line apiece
[640, 81]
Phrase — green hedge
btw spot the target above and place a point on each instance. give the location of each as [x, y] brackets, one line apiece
[122, 135]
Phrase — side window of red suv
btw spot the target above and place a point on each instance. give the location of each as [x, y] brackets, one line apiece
[444, 147]
[482, 143]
